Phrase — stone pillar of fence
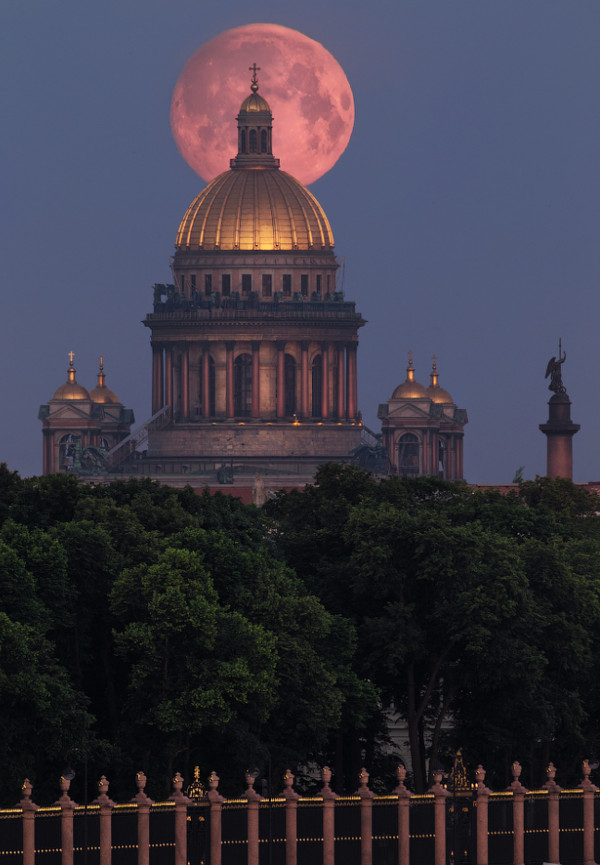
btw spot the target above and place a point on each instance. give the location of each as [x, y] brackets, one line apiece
[366, 818]
[553, 815]
[253, 799]
[589, 791]
[106, 805]
[67, 806]
[291, 819]
[441, 795]
[329, 798]
[404, 797]
[28, 808]
[181, 806]
[518, 791]
[483, 796]
[216, 807]
[143, 803]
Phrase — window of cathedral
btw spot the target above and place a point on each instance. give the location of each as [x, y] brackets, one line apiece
[408, 455]
[242, 385]
[243, 141]
[304, 284]
[67, 451]
[328, 283]
[318, 283]
[207, 284]
[286, 284]
[317, 385]
[290, 385]
[193, 282]
[226, 284]
[253, 138]
[263, 141]
[246, 283]
[267, 285]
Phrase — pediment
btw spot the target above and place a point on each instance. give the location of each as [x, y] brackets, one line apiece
[69, 411]
[405, 409]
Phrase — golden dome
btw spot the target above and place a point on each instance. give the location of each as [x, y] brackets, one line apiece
[254, 103]
[255, 208]
[410, 389]
[434, 391]
[71, 389]
[101, 393]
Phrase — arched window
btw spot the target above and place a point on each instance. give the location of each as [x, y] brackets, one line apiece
[290, 385]
[317, 385]
[242, 385]
[243, 141]
[211, 386]
[67, 451]
[253, 141]
[408, 455]
[441, 456]
[263, 141]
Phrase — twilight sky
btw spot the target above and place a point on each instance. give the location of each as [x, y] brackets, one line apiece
[466, 207]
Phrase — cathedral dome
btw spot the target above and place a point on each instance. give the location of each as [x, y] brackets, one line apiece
[101, 393]
[71, 389]
[255, 209]
[434, 391]
[410, 389]
[254, 205]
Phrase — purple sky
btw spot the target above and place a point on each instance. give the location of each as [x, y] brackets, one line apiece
[466, 206]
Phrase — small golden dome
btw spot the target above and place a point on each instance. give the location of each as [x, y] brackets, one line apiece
[410, 389]
[253, 104]
[101, 393]
[255, 208]
[434, 391]
[71, 389]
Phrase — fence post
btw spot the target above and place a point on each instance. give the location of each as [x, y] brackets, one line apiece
[440, 795]
[518, 791]
[143, 803]
[366, 818]
[482, 803]
[329, 798]
[589, 791]
[181, 806]
[216, 806]
[404, 796]
[253, 799]
[106, 805]
[28, 808]
[291, 819]
[67, 806]
[553, 815]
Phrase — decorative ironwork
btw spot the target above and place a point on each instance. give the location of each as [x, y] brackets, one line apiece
[196, 791]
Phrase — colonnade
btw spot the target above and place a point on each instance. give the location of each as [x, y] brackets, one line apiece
[186, 373]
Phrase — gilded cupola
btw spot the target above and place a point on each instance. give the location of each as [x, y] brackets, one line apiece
[101, 393]
[434, 391]
[410, 388]
[71, 389]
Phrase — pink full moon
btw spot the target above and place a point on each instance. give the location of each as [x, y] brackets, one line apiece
[305, 86]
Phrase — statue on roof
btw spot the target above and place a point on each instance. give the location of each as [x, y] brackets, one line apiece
[554, 370]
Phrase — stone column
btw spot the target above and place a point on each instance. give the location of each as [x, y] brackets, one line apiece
[325, 381]
[229, 390]
[483, 797]
[253, 800]
[329, 798]
[404, 796]
[216, 807]
[589, 791]
[280, 345]
[143, 803]
[169, 379]
[366, 818]
[106, 805]
[67, 806]
[351, 383]
[157, 378]
[28, 809]
[518, 791]
[559, 431]
[440, 795]
[185, 383]
[291, 819]
[553, 815]
[205, 381]
[340, 382]
[256, 379]
[304, 407]
[181, 806]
